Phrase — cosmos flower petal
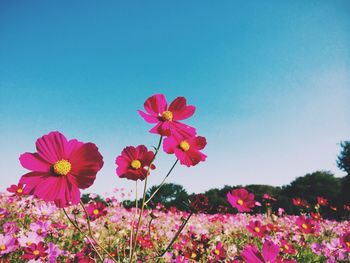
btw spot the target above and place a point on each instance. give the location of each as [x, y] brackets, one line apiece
[180, 110]
[156, 104]
[148, 118]
[51, 147]
[270, 251]
[33, 162]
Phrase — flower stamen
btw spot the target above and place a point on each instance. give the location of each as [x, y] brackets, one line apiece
[136, 164]
[62, 167]
[167, 115]
[184, 145]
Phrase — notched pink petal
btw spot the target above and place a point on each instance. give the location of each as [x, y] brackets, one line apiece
[33, 162]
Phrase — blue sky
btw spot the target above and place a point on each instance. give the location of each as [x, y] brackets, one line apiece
[270, 79]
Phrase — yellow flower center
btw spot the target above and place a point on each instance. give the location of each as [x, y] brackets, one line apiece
[286, 246]
[240, 201]
[304, 226]
[19, 190]
[95, 212]
[347, 244]
[62, 167]
[193, 255]
[217, 251]
[256, 229]
[167, 115]
[28, 243]
[184, 145]
[2, 247]
[36, 252]
[136, 164]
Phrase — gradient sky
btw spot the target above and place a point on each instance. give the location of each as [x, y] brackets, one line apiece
[270, 80]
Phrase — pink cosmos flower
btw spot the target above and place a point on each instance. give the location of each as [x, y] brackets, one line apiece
[30, 238]
[345, 241]
[167, 118]
[186, 150]
[53, 252]
[322, 201]
[256, 228]
[287, 248]
[307, 225]
[59, 168]
[3, 213]
[219, 252]
[7, 244]
[10, 227]
[96, 210]
[35, 251]
[133, 162]
[269, 254]
[16, 189]
[42, 228]
[241, 199]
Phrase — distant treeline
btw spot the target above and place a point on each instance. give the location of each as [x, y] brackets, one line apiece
[307, 188]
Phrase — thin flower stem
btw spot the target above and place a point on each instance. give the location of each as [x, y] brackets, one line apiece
[143, 199]
[132, 222]
[90, 232]
[78, 228]
[162, 183]
[175, 237]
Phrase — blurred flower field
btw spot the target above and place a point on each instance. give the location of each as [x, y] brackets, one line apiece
[26, 222]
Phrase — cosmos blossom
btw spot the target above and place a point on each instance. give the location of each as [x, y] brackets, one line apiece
[96, 210]
[16, 189]
[219, 252]
[35, 251]
[307, 225]
[256, 228]
[345, 241]
[186, 150]
[133, 162]
[7, 244]
[270, 252]
[241, 199]
[167, 118]
[322, 201]
[59, 168]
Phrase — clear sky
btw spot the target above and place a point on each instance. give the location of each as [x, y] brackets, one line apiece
[270, 79]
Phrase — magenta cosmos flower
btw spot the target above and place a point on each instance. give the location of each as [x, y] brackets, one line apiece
[35, 251]
[269, 254]
[307, 225]
[133, 163]
[16, 189]
[256, 228]
[241, 199]
[167, 118]
[7, 244]
[186, 150]
[345, 241]
[59, 168]
[96, 210]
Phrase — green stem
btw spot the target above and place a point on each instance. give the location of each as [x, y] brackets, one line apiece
[175, 237]
[78, 228]
[132, 222]
[90, 232]
[162, 183]
[143, 199]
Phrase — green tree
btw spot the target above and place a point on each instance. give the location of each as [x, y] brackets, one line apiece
[343, 163]
[169, 195]
[308, 187]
